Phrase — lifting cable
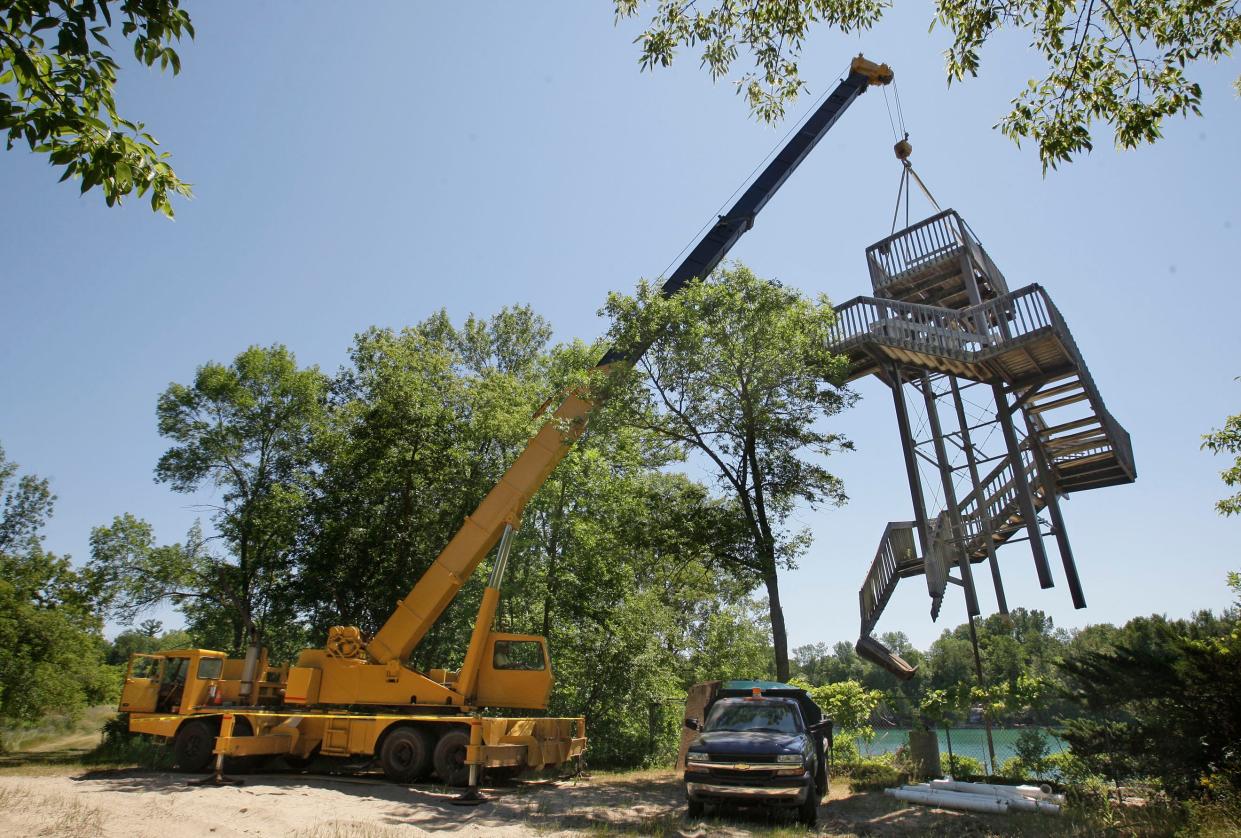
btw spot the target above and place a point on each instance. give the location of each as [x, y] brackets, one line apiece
[903, 150]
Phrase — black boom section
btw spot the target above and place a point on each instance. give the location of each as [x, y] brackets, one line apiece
[714, 246]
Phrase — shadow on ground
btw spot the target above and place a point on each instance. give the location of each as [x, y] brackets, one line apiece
[644, 803]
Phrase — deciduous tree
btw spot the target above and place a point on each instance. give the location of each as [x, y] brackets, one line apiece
[52, 659]
[1227, 440]
[57, 90]
[1120, 63]
[739, 373]
[245, 430]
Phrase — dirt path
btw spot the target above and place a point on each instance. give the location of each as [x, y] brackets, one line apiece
[146, 804]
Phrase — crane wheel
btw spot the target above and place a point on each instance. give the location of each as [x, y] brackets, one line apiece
[300, 763]
[502, 773]
[247, 764]
[405, 755]
[449, 758]
[192, 748]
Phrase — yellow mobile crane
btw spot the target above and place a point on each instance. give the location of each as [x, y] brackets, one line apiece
[357, 696]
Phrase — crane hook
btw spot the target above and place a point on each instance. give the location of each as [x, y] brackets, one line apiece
[903, 149]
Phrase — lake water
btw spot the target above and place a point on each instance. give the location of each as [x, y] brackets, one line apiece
[966, 741]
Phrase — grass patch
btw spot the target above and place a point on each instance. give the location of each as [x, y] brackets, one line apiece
[57, 732]
[99, 739]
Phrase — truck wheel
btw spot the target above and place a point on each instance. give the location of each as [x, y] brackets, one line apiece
[502, 773]
[694, 808]
[450, 758]
[808, 812]
[406, 755]
[300, 763]
[247, 764]
[193, 746]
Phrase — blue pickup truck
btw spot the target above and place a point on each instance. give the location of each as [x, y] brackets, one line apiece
[755, 743]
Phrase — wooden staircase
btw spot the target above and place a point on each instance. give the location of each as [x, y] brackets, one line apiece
[1018, 342]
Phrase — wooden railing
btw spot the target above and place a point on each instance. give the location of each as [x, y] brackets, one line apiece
[985, 511]
[937, 238]
[896, 549]
[970, 335]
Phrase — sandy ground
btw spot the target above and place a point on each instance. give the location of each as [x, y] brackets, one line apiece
[151, 804]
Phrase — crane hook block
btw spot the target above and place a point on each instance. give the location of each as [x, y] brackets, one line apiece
[903, 149]
[875, 73]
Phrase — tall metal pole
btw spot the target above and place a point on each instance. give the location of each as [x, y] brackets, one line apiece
[971, 457]
[950, 497]
[911, 463]
[1048, 480]
[986, 712]
[1025, 499]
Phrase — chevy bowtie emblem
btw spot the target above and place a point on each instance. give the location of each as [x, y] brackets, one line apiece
[741, 766]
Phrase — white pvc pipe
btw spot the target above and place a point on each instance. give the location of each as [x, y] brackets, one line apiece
[951, 800]
[1048, 803]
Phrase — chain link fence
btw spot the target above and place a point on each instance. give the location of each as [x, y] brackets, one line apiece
[1019, 753]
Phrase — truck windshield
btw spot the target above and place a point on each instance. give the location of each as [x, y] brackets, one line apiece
[769, 716]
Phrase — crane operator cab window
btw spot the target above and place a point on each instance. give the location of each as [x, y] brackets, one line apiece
[524, 655]
[172, 685]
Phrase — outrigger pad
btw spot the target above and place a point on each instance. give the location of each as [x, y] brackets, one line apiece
[872, 650]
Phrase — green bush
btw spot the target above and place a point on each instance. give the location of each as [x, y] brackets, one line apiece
[1065, 767]
[873, 774]
[962, 766]
[1014, 770]
[845, 750]
[119, 746]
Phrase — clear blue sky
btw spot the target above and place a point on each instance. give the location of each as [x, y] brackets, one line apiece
[366, 167]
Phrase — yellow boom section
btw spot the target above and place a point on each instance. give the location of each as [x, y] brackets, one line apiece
[503, 505]
[415, 614]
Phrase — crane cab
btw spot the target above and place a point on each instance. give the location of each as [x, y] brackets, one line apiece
[515, 672]
[167, 682]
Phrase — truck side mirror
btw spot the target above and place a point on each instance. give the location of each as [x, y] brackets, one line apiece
[692, 724]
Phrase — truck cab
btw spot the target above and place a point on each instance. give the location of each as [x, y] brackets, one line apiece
[167, 682]
[760, 743]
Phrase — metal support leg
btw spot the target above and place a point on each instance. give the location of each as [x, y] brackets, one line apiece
[986, 714]
[1024, 498]
[911, 464]
[950, 498]
[971, 458]
[472, 796]
[217, 777]
[1057, 519]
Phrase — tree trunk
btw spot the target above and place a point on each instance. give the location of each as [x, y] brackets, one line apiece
[779, 637]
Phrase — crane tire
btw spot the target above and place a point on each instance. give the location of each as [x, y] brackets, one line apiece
[449, 757]
[405, 755]
[193, 745]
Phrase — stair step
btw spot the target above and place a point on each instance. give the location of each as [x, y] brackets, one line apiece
[1067, 400]
[1062, 455]
[1042, 395]
[1051, 442]
[1069, 426]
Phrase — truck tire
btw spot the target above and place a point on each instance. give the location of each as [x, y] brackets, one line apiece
[192, 748]
[405, 755]
[449, 758]
[502, 773]
[247, 764]
[694, 808]
[808, 812]
[300, 763]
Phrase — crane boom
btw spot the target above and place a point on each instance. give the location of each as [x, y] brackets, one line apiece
[504, 504]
